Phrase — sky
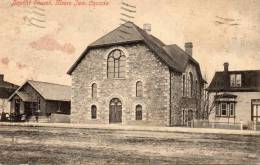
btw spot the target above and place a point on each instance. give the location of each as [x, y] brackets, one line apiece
[41, 41]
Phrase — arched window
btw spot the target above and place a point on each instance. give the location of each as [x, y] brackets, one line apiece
[190, 84]
[187, 86]
[94, 90]
[116, 64]
[138, 112]
[183, 85]
[196, 89]
[139, 89]
[93, 112]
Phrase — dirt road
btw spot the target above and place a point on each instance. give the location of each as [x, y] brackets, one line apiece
[40, 145]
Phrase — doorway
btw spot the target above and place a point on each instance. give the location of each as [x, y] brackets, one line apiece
[115, 111]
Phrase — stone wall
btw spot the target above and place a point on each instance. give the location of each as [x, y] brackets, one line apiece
[180, 103]
[141, 65]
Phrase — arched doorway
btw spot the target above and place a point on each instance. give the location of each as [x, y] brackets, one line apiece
[115, 111]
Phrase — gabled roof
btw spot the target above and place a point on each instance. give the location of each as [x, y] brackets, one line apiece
[124, 33]
[26, 97]
[250, 81]
[173, 56]
[48, 91]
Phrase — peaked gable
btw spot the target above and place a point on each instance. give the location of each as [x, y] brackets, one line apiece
[175, 58]
[48, 91]
[123, 34]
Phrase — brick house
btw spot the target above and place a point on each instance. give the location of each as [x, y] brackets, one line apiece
[235, 96]
[129, 76]
[35, 98]
[6, 90]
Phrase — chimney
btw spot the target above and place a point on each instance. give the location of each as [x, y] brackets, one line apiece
[1, 77]
[147, 27]
[188, 48]
[226, 67]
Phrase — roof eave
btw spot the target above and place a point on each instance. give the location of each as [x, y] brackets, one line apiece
[61, 100]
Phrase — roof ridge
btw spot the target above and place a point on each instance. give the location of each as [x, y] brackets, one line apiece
[107, 34]
[47, 83]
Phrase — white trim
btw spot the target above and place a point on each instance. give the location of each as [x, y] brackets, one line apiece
[232, 109]
[221, 109]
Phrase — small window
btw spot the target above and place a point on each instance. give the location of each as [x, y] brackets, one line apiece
[231, 109]
[93, 112]
[138, 112]
[94, 90]
[235, 80]
[139, 89]
[238, 80]
[232, 80]
[223, 109]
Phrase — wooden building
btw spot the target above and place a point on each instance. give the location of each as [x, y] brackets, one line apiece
[235, 96]
[36, 98]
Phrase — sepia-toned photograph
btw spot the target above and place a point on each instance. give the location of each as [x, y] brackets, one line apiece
[129, 82]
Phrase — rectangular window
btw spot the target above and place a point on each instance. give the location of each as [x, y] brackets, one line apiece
[235, 80]
[223, 109]
[255, 110]
[238, 80]
[217, 110]
[231, 109]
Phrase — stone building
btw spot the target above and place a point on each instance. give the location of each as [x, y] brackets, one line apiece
[235, 96]
[129, 76]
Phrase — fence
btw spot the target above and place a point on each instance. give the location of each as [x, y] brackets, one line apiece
[53, 118]
[207, 124]
[254, 125]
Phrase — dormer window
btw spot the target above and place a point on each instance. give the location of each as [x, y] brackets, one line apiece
[235, 80]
